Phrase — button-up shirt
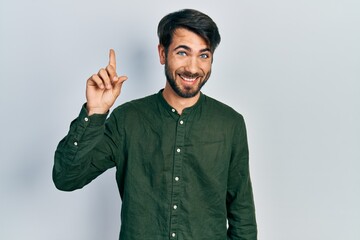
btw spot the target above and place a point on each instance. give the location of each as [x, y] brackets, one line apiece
[183, 177]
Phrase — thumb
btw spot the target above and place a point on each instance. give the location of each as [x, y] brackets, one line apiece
[118, 82]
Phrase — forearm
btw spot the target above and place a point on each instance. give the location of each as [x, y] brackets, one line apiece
[240, 200]
[241, 213]
[74, 161]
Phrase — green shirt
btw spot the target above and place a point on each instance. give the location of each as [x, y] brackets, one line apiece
[179, 176]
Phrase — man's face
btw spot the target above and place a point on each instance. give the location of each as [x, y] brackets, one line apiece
[187, 63]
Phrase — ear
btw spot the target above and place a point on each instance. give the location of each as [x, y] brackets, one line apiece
[162, 54]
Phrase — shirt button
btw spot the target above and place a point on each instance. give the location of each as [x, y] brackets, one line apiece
[173, 110]
[176, 178]
[181, 122]
[86, 119]
[178, 150]
[75, 143]
[175, 207]
[173, 235]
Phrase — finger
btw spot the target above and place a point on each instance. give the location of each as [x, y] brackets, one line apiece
[103, 74]
[112, 59]
[111, 72]
[119, 82]
[121, 79]
[95, 80]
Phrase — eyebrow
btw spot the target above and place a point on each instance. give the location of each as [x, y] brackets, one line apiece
[189, 49]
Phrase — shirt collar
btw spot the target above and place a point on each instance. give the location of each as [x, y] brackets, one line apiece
[172, 110]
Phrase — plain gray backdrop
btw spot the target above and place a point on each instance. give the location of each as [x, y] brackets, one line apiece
[292, 68]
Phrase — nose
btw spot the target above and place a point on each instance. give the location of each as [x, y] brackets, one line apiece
[192, 65]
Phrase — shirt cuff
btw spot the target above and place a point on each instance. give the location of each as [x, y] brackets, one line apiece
[93, 120]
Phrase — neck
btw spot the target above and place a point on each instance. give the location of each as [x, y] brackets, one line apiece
[177, 102]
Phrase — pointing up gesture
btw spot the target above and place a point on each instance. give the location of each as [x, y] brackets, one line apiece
[103, 88]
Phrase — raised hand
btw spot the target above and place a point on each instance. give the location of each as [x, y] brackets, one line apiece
[103, 88]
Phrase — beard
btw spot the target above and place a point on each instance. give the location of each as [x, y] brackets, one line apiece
[188, 91]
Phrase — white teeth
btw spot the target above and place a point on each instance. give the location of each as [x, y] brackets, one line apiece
[188, 79]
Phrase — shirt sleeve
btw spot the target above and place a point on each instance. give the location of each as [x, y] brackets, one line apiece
[85, 153]
[239, 199]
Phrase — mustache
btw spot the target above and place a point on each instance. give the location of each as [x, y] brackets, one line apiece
[190, 74]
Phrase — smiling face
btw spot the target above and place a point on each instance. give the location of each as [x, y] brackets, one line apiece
[187, 63]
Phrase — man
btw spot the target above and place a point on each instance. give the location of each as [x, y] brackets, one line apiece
[181, 157]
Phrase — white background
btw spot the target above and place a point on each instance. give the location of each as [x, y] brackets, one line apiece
[292, 68]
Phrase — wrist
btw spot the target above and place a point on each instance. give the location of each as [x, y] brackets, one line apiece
[92, 110]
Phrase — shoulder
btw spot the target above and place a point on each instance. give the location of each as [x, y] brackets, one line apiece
[220, 109]
[134, 113]
[223, 117]
[137, 105]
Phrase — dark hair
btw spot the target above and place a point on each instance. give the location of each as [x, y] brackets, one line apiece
[191, 20]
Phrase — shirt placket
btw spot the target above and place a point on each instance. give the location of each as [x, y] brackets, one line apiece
[177, 178]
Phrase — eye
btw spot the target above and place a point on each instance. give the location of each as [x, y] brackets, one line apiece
[181, 53]
[204, 56]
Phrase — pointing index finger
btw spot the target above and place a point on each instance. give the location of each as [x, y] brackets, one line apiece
[112, 60]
